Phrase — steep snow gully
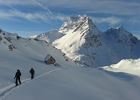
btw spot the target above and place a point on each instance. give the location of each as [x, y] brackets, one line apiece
[8, 89]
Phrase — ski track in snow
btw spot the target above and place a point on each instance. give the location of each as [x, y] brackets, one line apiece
[8, 89]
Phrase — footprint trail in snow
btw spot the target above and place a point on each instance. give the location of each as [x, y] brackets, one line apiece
[8, 89]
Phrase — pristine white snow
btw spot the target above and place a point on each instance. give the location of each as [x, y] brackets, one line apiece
[50, 36]
[130, 66]
[33, 36]
[66, 80]
[85, 44]
[76, 84]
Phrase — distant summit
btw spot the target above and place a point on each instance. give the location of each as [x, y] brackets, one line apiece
[7, 34]
[121, 35]
[78, 23]
[85, 43]
[49, 36]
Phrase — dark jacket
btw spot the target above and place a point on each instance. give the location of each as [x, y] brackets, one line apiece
[32, 71]
[18, 74]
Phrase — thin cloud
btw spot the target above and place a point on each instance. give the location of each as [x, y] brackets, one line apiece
[47, 14]
[16, 2]
[116, 7]
[97, 7]
[29, 16]
[4, 15]
[35, 17]
[112, 21]
[43, 6]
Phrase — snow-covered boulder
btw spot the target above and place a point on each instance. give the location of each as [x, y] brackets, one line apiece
[49, 59]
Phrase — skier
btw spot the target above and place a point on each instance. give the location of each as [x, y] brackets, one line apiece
[17, 77]
[32, 72]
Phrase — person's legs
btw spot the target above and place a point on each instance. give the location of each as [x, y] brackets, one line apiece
[16, 82]
[32, 76]
[19, 81]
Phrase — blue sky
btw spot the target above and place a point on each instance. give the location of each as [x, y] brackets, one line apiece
[37, 16]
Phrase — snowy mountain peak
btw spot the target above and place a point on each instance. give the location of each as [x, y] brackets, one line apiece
[78, 23]
[81, 36]
[49, 36]
[8, 35]
[121, 35]
[119, 30]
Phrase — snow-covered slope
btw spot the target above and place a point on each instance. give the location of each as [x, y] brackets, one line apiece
[77, 84]
[23, 54]
[130, 66]
[6, 40]
[50, 36]
[84, 43]
[66, 80]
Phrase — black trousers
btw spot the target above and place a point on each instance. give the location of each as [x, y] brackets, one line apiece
[32, 76]
[18, 81]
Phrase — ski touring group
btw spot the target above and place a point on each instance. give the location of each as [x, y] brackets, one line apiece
[18, 76]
